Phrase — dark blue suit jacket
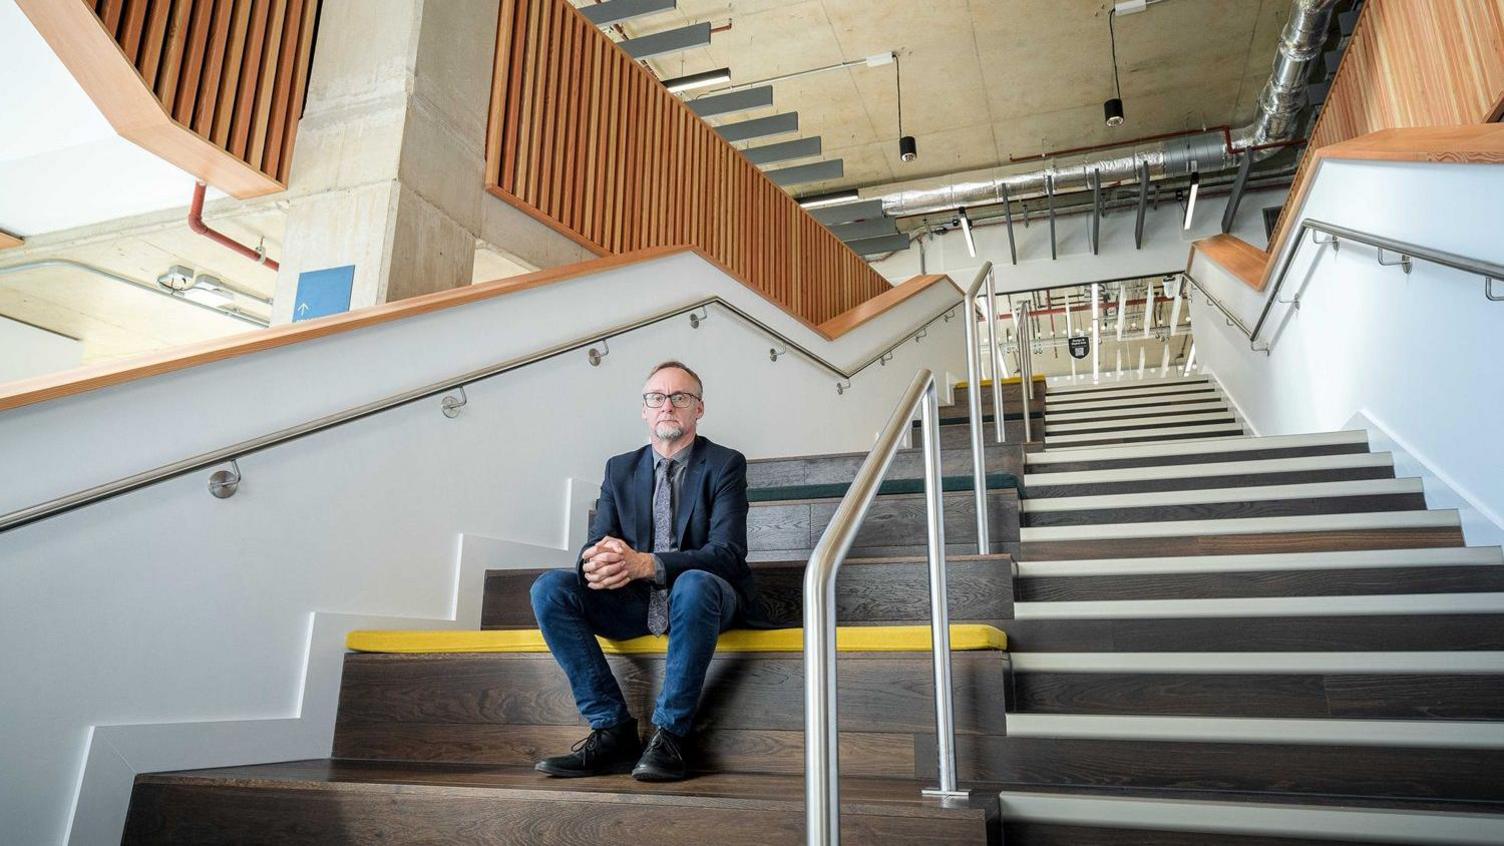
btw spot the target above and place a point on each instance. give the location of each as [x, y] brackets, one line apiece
[711, 521]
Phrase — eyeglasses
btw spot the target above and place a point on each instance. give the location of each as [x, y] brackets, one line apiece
[680, 399]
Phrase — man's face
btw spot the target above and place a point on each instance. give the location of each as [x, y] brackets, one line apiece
[666, 422]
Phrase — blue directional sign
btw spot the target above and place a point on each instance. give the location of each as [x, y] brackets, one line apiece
[323, 292]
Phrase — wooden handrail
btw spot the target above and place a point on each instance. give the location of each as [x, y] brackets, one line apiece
[1476, 144]
[1393, 102]
[93, 377]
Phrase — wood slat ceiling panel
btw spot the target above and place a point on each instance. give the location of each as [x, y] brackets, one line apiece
[587, 141]
[214, 86]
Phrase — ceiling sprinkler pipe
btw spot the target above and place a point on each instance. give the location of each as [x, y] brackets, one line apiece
[196, 223]
[1280, 105]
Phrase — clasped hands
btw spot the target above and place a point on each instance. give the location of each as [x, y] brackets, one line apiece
[611, 564]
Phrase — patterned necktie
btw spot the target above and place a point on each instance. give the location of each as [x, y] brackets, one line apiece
[663, 539]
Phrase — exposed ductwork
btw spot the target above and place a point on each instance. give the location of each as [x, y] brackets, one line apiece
[1280, 104]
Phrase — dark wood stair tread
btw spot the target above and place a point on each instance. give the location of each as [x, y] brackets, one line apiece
[1231, 508]
[1293, 768]
[1292, 694]
[1191, 482]
[1255, 583]
[858, 793]
[1414, 633]
[353, 801]
[1211, 454]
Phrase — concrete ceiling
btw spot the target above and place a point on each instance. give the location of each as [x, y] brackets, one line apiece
[983, 80]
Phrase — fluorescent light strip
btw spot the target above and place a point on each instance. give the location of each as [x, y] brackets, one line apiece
[707, 79]
[1190, 207]
[971, 245]
[832, 199]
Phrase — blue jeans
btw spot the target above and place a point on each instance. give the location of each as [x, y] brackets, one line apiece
[701, 606]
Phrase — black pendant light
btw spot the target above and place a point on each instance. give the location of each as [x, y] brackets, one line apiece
[908, 148]
[1113, 109]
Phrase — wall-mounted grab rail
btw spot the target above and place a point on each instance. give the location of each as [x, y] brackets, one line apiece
[61, 505]
[821, 761]
[974, 408]
[1336, 235]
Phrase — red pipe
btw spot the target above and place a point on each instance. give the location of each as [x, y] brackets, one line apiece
[196, 223]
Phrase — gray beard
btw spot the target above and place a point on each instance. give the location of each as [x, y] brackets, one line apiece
[668, 432]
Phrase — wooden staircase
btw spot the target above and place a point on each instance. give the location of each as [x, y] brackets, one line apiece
[1212, 639]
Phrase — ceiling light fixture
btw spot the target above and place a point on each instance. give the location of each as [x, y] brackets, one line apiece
[1190, 206]
[705, 79]
[208, 290]
[816, 201]
[908, 148]
[971, 245]
[1113, 108]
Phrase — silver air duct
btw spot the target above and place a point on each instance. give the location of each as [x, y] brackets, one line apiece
[1279, 106]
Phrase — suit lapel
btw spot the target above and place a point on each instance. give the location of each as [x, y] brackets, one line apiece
[689, 491]
[642, 500]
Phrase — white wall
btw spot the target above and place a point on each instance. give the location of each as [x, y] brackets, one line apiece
[1414, 359]
[174, 629]
[1166, 245]
[27, 351]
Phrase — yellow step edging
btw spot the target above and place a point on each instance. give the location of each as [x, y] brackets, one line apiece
[1011, 380]
[963, 637]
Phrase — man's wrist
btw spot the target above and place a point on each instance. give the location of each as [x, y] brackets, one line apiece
[660, 572]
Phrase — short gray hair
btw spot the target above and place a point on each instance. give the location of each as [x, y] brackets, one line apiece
[665, 365]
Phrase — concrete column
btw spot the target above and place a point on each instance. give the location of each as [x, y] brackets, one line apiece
[388, 168]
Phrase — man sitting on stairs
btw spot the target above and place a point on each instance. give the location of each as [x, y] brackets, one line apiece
[667, 554]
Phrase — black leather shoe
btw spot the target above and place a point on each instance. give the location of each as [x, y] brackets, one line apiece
[607, 750]
[663, 759]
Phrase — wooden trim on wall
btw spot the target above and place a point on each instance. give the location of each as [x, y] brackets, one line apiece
[1477, 144]
[1413, 64]
[856, 316]
[1236, 256]
[587, 141]
[215, 87]
[107, 374]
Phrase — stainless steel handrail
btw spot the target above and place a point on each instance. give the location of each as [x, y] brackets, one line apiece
[1488, 270]
[974, 409]
[1025, 366]
[63, 504]
[821, 731]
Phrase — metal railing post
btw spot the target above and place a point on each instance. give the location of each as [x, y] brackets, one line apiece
[974, 411]
[1026, 369]
[997, 358]
[934, 513]
[821, 757]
